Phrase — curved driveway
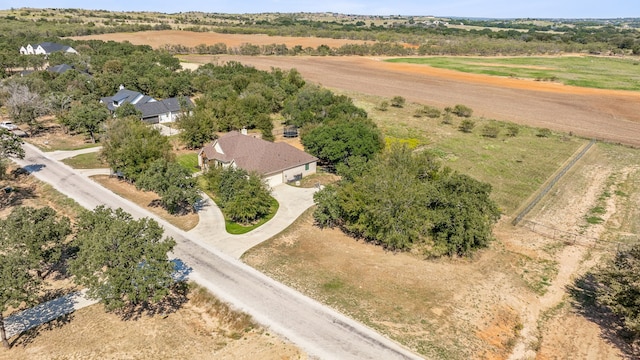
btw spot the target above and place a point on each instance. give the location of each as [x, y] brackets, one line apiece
[317, 329]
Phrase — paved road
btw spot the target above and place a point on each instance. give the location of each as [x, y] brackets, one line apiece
[317, 329]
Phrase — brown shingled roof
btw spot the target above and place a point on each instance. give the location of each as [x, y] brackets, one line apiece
[253, 154]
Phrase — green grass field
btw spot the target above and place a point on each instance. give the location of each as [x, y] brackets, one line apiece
[85, 161]
[189, 162]
[515, 166]
[584, 71]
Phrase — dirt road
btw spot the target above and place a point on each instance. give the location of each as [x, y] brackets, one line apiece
[602, 114]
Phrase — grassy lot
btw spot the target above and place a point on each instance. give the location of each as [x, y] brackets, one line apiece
[585, 71]
[515, 166]
[189, 161]
[85, 161]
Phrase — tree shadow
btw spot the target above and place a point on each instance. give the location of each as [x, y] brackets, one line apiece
[171, 303]
[34, 168]
[27, 337]
[584, 291]
[26, 325]
[14, 196]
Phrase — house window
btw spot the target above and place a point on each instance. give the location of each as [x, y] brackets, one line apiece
[306, 167]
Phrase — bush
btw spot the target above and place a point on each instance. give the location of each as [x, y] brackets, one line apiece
[447, 118]
[467, 125]
[491, 130]
[543, 133]
[462, 111]
[398, 101]
[513, 130]
[428, 111]
[384, 106]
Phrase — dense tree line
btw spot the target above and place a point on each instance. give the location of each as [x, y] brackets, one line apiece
[403, 201]
[235, 96]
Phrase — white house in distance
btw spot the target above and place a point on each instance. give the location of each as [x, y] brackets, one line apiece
[277, 163]
[46, 48]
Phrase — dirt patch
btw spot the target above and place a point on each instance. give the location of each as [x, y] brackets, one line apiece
[53, 137]
[147, 200]
[157, 39]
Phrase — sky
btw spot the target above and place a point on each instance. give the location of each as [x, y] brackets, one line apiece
[444, 8]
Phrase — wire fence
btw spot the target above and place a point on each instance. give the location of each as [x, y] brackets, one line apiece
[546, 189]
[623, 241]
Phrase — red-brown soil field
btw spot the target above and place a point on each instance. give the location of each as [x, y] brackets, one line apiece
[157, 39]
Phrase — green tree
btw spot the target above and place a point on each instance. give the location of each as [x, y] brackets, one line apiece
[18, 285]
[619, 289]
[122, 261]
[87, 118]
[402, 200]
[40, 233]
[313, 104]
[10, 145]
[197, 128]
[127, 109]
[130, 146]
[335, 141]
[174, 184]
[243, 197]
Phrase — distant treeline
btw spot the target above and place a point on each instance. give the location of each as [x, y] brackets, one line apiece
[398, 36]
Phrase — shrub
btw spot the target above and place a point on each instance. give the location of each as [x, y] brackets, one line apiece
[467, 125]
[384, 106]
[513, 130]
[543, 133]
[491, 130]
[447, 118]
[428, 111]
[398, 101]
[462, 111]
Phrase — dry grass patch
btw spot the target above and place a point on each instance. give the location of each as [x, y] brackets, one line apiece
[52, 137]
[146, 199]
[193, 332]
[436, 308]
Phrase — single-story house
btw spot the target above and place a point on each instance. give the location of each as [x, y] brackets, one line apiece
[162, 111]
[277, 163]
[46, 48]
[124, 96]
[153, 111]
[59, 69]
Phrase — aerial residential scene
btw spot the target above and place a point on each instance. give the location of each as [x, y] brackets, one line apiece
[320, 180]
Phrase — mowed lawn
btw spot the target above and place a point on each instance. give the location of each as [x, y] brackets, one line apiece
[585, 71]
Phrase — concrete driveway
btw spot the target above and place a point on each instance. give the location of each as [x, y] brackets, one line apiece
[293, 202]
